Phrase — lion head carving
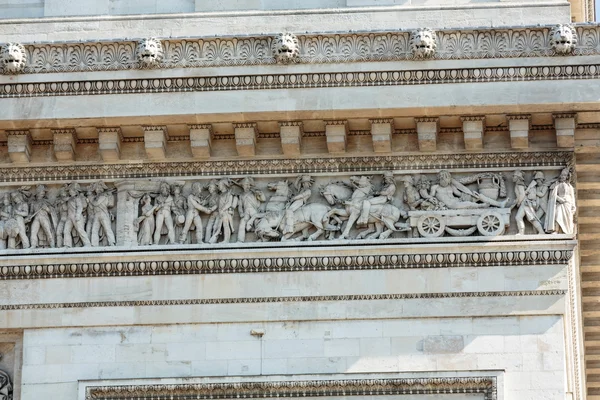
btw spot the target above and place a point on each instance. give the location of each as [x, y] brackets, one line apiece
[149, 52]
[285, 48]
[563, 39]
[13, 58]
[422, 43]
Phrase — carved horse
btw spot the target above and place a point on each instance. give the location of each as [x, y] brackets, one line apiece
[380, 216]
[271, 224]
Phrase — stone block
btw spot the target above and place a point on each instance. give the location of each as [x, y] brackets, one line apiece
[381, 133]
[565, 125]
[109, 143]
[155, 142]
[375, 347]
[443, 344]
[337, 134]
[291, 137]
[65, 141]
[85, 354]
[519, 125]
[294, 348]
[170, 369]
[233, 350]
[210, 368]
[141, 352]
[19, 146]
[342, 348]
[186, 351]
[473, 130]
[427, 133]
[201, 140]
[243, 367]
[245, 139]
[34, 355]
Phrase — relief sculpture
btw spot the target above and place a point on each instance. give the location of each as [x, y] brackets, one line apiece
[303, 207]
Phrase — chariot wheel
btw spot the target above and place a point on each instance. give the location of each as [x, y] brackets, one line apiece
[490, 224]
[431, 225]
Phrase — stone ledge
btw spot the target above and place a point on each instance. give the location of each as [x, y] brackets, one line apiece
[177, 260]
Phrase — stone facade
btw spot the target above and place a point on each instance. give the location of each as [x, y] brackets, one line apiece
[247, 204]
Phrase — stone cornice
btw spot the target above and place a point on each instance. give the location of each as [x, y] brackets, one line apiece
[114, 172]
[300, 80]
[484, 385]
[314, 48]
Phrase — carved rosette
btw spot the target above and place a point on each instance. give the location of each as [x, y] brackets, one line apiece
[13, 58]
[285, 48]
[563, 39]
[423, 43]
[149, 52]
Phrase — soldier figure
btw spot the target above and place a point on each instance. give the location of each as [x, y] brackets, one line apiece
[75, 219]
[303, 185]
[44, 216]
[386, 195]
[20, 212]
[62, 209]
[248, 205]
[226, 204]
[541, 191]
[194, 206]
[526, 201]
[211, 202]
[164, 203]
[101, 219]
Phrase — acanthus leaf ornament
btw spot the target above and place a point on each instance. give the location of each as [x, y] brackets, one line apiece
[13, 58]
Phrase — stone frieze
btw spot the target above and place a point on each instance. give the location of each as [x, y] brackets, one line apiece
[303, 207]
[312, 48]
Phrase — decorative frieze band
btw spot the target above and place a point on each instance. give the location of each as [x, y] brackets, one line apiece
[483, 385]
[282, 299]
[284, 264]
[301, 80]
[311, 48]
[275, 166]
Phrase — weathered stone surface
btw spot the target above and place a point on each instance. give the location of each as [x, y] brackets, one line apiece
[155, 142]
[109, 143]
[64, 144]
[19, 146]
[337, 136]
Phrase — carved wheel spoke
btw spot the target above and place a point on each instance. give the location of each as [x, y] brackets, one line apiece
[490, 224]
[431, 226]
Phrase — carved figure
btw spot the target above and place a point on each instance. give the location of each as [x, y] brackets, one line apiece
[381, 216]
[411, 195]
[429, 202]
[101, 219]
[89, 209]
[248, 205]
[561, 205]
[144, 224]
[195, 205]
[6, 387]
[149, 52]
[75, 220]
[5, 215]
[285, 48]
[423, 43]
[13, 58]
[164, 220]
[43, 215]
[563, 39]
[303, 185]
[20, 212]
[541, 191]
[526, 203]
[211, 202]
[448, 188]
[225, 206]
[385, 196]
[62, 210]
[308, 216]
